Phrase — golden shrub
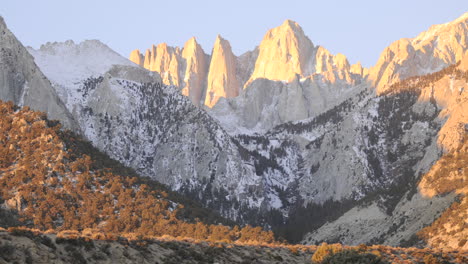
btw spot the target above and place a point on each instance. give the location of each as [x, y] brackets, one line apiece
[325, 250]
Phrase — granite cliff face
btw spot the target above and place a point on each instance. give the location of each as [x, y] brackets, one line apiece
[137, 58]
[222, 78]
[196, 68]
[164, 60]
[284, 52]
[23, 83]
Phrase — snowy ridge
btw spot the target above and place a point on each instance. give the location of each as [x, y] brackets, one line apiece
[67, 63]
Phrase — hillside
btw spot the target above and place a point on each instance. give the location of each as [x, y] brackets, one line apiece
[55, 180]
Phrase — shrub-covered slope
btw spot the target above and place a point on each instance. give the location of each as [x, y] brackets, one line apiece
[55, 180]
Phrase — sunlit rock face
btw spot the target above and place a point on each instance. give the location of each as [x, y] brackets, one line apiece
[137, 57]
[195, 71]
[430, 51]
[186, 69]
[358, 69]
[165, 60]
[222, 77]
[284, 52]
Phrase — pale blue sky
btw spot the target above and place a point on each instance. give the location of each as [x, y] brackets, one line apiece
[359, 29]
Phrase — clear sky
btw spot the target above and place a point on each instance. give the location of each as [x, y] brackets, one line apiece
[359, 29]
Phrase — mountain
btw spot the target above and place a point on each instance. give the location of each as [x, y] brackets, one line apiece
[323, 155]
[285, 52]
[164, 60]
[124, 111]
[286, 78]
[434, 119]
[23, 83]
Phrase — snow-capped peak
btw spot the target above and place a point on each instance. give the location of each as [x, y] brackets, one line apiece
[76, 61]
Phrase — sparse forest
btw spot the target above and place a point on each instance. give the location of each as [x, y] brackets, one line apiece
[48, 176]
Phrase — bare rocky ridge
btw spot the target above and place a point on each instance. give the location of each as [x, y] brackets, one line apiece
[429, 52]
[137, 58]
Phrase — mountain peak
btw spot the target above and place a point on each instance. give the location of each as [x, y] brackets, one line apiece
[463, 17]
[192, 40]
[283, 53]
[84, 59]
[162, 46]
[221, 41]
[222, 79]
[291, 25]
[191, 45]
[23, 83]
[137, 57]
[195, 70]
[430, 51]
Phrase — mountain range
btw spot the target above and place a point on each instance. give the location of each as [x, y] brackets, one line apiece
[286, 136]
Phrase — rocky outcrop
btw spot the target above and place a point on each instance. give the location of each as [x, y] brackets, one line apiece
[284, 52]
[222, 77]
[137, 57]
[23, 83]
[265, 104]
[246, 65]
[196, 70]
[430, 51]
[165, 60]
[358, 69]
[187, 69]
